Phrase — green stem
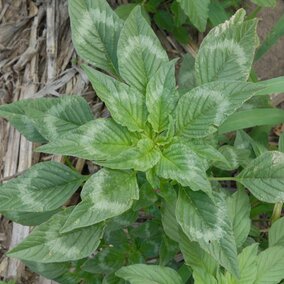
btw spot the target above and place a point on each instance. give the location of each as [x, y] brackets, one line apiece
[223, 178]
[277, 210]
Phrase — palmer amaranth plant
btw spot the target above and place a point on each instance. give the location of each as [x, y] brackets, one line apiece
[158, 210]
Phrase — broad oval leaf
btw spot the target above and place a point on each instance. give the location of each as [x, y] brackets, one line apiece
[206, 221]
[44, 187]
[276, 233]
[126, 105]
[197, 11]
[202, 110]
[247, 260]
[28, 218]
[270, 266]
[264, 177]
[100, 139]
[46, 244]
[140, 53]
[239, 213]
[69, 113]
[17, 116]
[201, 277]
[150, 274]
[227, 51]
[180, 163]
[108, 193]
[95, 32]
[161, 97]
[195, 256]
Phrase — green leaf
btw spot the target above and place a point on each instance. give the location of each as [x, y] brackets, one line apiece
[168, 250]
[112, 279]
[276, 233]
[122, 221]
[124, 10]
[239, 213]
[206, 221]
[147, 197]
[95, 32]
[44, 187]
[247, 260]
[161, 98]
[271, 86]
[202, 110]
[251, 118]
[233, 158]
[227, 51]
[126, 105]
[168, 216]
[69, 113]
[64, 272]
[106, 194]
[186, 76]
[273, 36]
[150, 274]
[106, 261]
[140, 53]
[164, 20]
[265, 3]
[28, 218]
[178, 162]
[16, 114]
[270, 266]
[200, 277]
[217, 13]
[264, 177]
[141, 158]
[45, 244]
[178, 14]
[208, 152]
[197, 11]
[195, 256]
[100, 139]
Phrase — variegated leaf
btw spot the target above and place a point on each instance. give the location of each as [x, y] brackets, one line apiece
[140, 53]
[143, 273]
[264, 177]
[161, 98]
[206, 221]
[228, 50]
[17, 116]
[100, 139]
[178, 162]
[126, 105]
[44, 187]
[201, 111]
[46, 244]
[106, 194]
[69, 113]
[95, 32]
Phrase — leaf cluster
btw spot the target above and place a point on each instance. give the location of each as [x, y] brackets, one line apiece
[160, 190]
